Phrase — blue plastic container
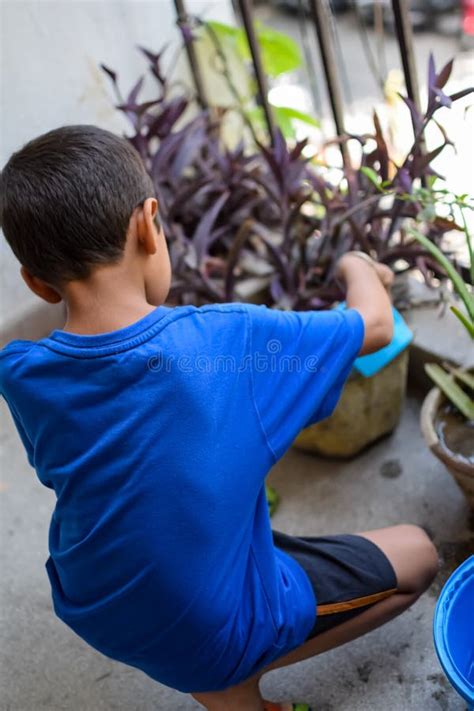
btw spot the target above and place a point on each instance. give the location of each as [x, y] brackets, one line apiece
[454, 630]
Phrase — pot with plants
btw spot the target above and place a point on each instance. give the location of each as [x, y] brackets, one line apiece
[265, 221]
[447, 414]
[371, 402]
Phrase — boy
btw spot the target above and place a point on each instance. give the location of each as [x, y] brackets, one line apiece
[161, 551]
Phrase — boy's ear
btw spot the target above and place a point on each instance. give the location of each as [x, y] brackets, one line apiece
[40, 288]
[146, 226]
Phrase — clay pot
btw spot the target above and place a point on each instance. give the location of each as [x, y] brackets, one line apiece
[460, 468]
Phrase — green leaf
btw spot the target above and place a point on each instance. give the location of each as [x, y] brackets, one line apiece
[223, 32]
[280, 53]
[459, 286]
[451, 389]
[464, 377]
[257, 119]
[272, 498]
[285, 124]
[467, 324]
[256, 114]
[372, 176]
[285, 117]
[295, 115]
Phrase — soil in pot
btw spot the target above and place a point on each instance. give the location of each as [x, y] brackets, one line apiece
[456, 435]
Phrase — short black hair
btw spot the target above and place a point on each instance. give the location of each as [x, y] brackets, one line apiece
[66, 199]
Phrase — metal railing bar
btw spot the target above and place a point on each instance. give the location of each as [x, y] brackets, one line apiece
[246, 11]
[322, 21]
[183, 20]
[405, 44]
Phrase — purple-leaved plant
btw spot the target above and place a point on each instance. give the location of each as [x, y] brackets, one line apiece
[261, 222]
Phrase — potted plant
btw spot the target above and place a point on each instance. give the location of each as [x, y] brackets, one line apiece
[266, 223]
[447, 414]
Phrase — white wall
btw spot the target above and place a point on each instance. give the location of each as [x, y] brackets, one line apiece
[51, 50]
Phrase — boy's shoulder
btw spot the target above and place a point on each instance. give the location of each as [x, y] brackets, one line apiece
[16, 346]
[247, 310]
[15, 349]
[10, 355]
[222, 309]
[217, 315]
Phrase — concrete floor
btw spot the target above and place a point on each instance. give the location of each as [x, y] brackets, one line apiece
[45, 667]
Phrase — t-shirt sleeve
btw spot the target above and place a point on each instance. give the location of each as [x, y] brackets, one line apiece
[23, 436]
[8, 355]
[299, 362]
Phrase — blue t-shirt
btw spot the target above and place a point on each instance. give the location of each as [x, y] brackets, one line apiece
[157, 439]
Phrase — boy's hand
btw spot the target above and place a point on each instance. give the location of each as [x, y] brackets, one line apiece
[385, 274]
[352, 260]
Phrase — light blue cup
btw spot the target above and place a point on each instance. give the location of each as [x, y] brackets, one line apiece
[454, 630]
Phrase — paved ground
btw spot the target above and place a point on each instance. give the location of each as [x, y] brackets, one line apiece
[44, 667]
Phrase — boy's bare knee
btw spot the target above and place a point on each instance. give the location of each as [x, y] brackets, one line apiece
[431, 562]
[424, 555]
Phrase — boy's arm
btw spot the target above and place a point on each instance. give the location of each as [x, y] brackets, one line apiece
[367, 283]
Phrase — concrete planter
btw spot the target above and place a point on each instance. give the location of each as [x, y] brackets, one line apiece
[368, 409]
[437, 336]
[461, 470]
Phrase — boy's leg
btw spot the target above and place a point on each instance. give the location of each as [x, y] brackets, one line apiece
[415, 562]
[244, 697]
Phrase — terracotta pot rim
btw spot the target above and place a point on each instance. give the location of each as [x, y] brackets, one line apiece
[430, 407]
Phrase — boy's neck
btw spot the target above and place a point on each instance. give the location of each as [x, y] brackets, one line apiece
[111, 317]
[104, 303]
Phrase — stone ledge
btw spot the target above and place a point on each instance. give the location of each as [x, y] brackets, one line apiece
[438, 336]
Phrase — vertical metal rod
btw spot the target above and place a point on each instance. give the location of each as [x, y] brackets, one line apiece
[405, 44]
[245, 7]
[322, 21]
[183, 19]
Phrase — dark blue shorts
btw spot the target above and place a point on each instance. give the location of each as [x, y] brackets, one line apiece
[348, 573]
